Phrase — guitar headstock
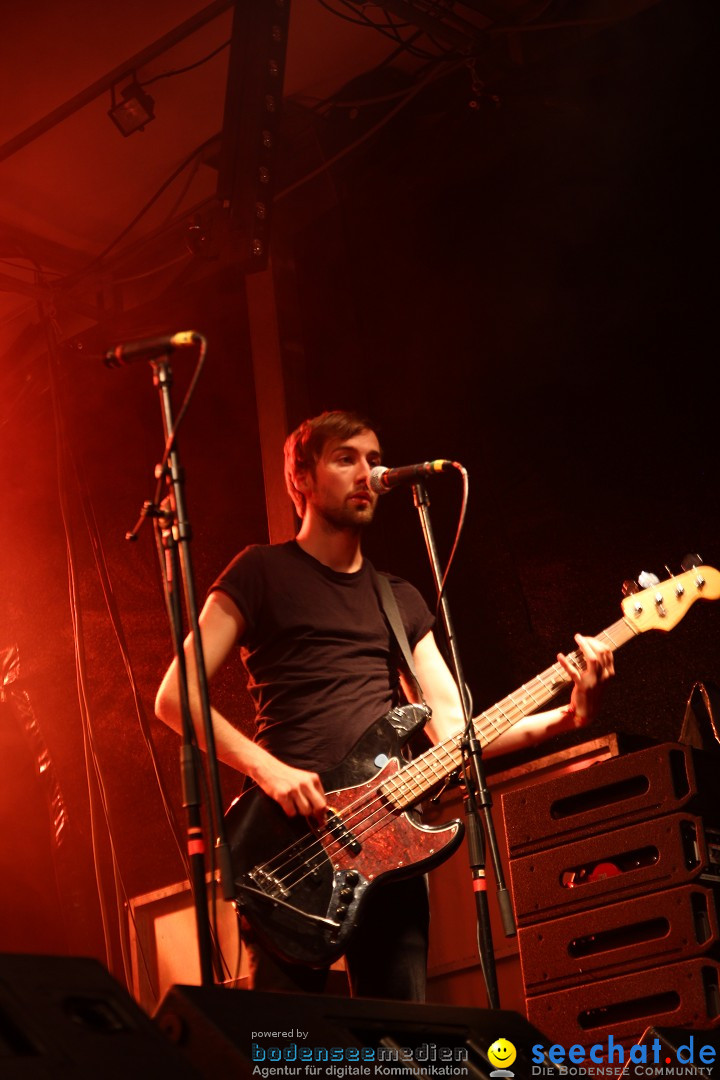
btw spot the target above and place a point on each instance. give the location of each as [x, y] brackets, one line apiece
[661, 606]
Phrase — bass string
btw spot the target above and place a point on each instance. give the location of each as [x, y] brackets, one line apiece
[349, 817]
[285, 862]
[311, 845]
[346, 816]
[369, 827]
[282, 865]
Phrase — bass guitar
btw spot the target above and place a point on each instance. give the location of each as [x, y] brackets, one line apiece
[302, 884]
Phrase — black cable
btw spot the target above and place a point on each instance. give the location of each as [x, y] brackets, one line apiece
[359, 20]
[78, 274]
[331, 99]
[190, 67]
[420, 54]
[331, 161]
[388, 30]
[458, 532]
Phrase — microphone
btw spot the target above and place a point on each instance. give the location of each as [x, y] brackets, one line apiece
[149, 348]
[383, 480]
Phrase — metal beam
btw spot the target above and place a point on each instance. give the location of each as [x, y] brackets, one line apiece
[269, 400]
[101, 86]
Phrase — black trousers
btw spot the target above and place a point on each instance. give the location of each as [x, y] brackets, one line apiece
[386, 957]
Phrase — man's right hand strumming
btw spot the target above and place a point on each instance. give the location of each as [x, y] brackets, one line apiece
[295, 790]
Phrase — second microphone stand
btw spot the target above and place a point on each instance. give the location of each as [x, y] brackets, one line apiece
[477, 795]
[176, 535]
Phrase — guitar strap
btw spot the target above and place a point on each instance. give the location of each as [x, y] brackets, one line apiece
[392, 614]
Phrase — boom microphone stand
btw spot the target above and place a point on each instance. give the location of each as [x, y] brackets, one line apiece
[177, 569]
[477, 794]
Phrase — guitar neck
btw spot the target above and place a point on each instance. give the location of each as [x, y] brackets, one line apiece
[423, 773]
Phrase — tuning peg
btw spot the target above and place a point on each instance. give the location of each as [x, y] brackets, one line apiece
[647, 580]
[630, 587]
[691, 561]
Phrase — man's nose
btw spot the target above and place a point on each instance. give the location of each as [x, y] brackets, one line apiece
[363, 471]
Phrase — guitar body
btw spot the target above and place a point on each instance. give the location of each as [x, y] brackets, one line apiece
[302, 886]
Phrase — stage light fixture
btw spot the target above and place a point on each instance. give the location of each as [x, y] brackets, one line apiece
[134, 111]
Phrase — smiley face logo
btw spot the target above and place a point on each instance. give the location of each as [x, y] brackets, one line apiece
[501, 1054]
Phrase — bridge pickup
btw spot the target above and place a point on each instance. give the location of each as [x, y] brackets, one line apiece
[268, 884]
[340, 832]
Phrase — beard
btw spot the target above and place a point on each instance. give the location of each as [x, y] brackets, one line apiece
[348, 516]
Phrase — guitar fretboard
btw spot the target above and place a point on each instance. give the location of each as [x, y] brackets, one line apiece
[421, 775]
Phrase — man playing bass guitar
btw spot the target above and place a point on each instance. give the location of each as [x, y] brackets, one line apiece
[322, 666]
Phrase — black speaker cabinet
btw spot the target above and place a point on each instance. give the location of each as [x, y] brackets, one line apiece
[641, 786]
[233, 1032]
[615, 865]
[660, 928]
[63, 1016]
[677, 995]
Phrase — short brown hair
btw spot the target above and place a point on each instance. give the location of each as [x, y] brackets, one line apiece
[304, 447]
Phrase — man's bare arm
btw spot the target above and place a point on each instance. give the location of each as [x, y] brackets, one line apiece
[443, 698]
[221, 626]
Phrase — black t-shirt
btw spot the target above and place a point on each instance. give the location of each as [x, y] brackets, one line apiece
[321, 658]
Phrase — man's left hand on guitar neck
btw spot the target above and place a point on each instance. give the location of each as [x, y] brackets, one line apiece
[587, 681]
[584, 700]
[444, 700]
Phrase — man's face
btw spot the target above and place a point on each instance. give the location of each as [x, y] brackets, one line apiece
[339, 492]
